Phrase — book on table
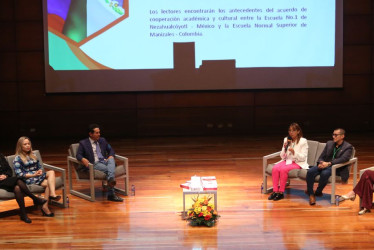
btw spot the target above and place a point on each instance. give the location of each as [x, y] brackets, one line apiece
[205, 183]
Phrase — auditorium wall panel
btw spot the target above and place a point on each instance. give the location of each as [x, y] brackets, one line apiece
[9, 127]
[7, 10]
[357, 59]
[357, 29]
[33, 98]
[28, 10]
[195, 121]
[362, 7]
[8, 66]
[356, 90]
[29, 36]
[30, 66]
[29, 111]
[313, 118]
[372, 23]
[372, 58]
[116, 123]
[8, 38]
[8, 97]
[194, 99]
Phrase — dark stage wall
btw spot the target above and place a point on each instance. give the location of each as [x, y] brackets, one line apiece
[27, 110]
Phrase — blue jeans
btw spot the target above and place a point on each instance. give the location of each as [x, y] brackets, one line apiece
[107, 168]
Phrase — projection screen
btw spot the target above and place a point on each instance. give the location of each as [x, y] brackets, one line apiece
[168, 45]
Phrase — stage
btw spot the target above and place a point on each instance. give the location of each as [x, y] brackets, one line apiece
[152, 218]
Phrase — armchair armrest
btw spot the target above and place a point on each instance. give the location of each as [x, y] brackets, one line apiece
[57, 169]
[351, 161]
[363, 170]
[268, 157]
[125, 161]
[121, 158]
[74, 160]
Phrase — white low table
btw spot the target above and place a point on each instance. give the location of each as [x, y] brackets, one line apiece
[189, 192]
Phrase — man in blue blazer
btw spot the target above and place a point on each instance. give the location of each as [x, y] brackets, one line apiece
[97, 150]
[335, 152]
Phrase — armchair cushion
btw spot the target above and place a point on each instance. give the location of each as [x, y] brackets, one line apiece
[36, 188]
[293, 173]
[269, 168]
[5, 195]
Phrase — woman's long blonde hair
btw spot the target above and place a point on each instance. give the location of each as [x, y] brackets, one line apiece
[21, 153]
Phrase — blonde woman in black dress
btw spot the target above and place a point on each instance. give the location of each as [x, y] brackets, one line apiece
[18, 186]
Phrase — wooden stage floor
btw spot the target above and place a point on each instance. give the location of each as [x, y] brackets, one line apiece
[152, 218]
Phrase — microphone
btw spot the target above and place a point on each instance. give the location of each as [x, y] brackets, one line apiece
[289, 139]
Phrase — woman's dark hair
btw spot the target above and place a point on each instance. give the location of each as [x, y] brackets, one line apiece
[295, 126]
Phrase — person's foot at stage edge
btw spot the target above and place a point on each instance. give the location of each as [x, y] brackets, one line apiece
[312, 200]
[115, 198]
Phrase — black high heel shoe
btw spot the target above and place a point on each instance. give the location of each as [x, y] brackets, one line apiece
[47, 215]
[39, 202]
[25, 219]
[55, 198]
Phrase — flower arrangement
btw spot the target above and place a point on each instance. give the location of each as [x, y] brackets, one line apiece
[202, 212]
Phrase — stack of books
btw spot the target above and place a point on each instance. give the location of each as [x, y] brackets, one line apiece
[197, 183]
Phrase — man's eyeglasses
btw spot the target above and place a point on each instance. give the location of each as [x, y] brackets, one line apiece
[335, 135]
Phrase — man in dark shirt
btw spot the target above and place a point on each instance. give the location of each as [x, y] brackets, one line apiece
[336, 151]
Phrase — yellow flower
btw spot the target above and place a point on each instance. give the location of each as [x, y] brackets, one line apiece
[197, 210]
[206, 212]
[203, 208]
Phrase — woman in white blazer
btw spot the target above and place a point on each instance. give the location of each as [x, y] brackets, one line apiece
[294, 155]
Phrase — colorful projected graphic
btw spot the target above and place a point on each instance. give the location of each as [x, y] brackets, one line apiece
[253, 33]
[72, 23]
[100, 45]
